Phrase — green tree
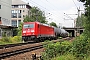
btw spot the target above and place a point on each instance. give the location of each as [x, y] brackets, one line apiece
[35, 15]
[87, 14]
[53, 24]
[81, 46]
[80, 22]
[19, 29]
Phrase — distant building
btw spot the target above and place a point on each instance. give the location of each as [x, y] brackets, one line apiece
[19, 10]
[5, 12]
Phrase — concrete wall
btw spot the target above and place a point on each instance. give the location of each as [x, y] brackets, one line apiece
[6, 32]
[5, 12]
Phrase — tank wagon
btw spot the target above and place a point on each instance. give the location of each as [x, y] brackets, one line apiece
[63, 33]
[57, 32]
[60, 32]
[39, 32]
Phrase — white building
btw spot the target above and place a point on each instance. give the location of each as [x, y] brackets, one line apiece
[19, 10]
[5, 12]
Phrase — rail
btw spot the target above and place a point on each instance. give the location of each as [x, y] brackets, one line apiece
[8, 54]
[13, 45]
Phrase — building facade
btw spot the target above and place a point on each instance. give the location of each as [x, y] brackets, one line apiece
[5, 18]
[19, 10]
[5, 12]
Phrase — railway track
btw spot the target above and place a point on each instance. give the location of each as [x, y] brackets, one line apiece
[13, 45]
[20, 50]
[15, 51]
[11, 53]
[19, 44]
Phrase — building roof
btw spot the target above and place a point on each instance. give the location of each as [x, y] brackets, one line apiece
[4, 26]
[18, 2]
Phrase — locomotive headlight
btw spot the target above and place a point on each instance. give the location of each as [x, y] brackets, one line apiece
[24, 31]
[32, 30]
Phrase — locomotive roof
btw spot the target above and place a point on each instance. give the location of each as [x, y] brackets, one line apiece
[31, 22]
[38, 23]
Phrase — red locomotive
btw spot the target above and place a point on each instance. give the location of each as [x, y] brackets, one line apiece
[37, 31]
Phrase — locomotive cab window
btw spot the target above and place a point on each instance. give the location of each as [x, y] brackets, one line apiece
[28, 26]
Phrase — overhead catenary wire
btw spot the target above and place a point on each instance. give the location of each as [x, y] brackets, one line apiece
[50, 7]
[62, 12]
[39, 5]
[75, 4]
[69, 17]
[78, 8]
[34, 3]
[43, 7]
[10, 5]
[48, 10]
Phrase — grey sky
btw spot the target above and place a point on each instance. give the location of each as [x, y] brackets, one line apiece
[57, 8]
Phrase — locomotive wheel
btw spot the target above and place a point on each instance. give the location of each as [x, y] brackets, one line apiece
[23, 40]
[36, 40]
[55, 38]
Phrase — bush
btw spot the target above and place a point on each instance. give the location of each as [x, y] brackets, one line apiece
[6, 39]
[81, 47]
[9, 40]
[54, 49]
[16, 39]
[65, 57]
[87, 58]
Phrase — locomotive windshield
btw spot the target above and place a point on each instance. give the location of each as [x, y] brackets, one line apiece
[28, 25]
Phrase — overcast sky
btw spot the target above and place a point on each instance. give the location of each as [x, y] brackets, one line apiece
[55, 9]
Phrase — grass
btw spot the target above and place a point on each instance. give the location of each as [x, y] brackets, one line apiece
[10, 40]
[65, 57]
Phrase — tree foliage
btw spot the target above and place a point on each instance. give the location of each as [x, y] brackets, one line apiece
[81, 46]
[80, 22]
[87, 2]
[19, 29]
[53, 24]
[35, 15]
[87, 14]
[54, 49]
